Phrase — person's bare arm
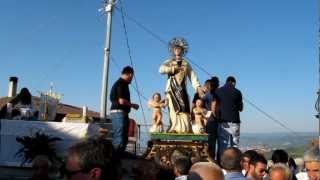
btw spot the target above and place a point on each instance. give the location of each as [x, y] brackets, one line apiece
[153, 104]
[214, 108]
[125, 102]
[164, 103]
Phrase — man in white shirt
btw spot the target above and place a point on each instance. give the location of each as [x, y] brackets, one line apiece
[312, 164]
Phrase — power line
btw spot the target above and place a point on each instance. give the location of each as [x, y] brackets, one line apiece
[130, 57]
[143, 27]
[134, 87]
[271, 117]
[200, 67]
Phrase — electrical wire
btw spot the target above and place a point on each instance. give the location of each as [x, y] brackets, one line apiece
[130, 57]
[271, 117]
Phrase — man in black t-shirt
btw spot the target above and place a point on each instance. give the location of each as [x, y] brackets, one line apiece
[120, 108]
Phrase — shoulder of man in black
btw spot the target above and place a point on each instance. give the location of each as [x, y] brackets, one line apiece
[116, 87]
[238, 90]
[123, 89]
[239, 100]
[115, 84]
[219, 90]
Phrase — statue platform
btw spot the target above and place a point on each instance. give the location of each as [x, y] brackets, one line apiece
[165, 148]
[179, 137]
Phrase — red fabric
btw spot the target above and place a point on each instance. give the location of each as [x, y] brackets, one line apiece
[132, 128]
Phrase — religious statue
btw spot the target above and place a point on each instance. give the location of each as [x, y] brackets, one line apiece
[156, 103]
[179, 70]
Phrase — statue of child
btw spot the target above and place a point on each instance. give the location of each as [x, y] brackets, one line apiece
[156, 103]
[200, 120]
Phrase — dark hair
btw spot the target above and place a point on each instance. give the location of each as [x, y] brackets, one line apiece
[258, 158]
[231, 79]
[215, 82]
[249, 154]
[165, 174]
[199, 99]
[95, 153]
[127, 70]
[292, 163]
[279, 156]
[15, 112]
[208, 82]
[183, 165]
[231, 161]
[24, 96]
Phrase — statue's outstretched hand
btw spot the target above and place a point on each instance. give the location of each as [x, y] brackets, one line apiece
[200, 92]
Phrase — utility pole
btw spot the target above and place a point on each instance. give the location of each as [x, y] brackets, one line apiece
[318, 100]
[108, 7]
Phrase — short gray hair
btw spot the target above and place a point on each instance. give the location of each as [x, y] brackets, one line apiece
[312, 155]
[281, 167]
[230, 159]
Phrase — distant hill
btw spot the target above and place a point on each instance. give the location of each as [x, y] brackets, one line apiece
[294, 144]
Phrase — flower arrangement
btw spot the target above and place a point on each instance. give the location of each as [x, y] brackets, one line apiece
[38, 144]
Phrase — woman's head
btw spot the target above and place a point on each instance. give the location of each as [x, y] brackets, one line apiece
[25, 96]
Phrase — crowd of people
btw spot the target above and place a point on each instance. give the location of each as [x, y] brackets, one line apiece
[96, 159]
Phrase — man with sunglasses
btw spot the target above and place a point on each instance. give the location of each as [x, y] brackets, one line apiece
[90, 160]
[257, 167]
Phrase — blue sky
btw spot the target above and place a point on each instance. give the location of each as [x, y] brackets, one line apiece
[270, 46]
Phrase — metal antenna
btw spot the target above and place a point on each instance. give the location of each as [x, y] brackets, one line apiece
[108, 7]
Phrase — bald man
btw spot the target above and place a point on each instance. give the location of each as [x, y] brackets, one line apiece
[205, 171]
